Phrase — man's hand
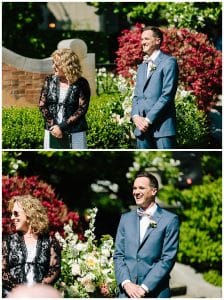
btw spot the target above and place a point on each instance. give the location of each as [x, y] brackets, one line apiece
[133, 290]
[56, 131]
[141, 123]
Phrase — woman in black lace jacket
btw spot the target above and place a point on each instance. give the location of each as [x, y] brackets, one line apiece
[30, 255]
[64, 102]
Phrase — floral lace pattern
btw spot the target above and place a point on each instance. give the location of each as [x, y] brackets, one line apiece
[75, 104]
[14, 253]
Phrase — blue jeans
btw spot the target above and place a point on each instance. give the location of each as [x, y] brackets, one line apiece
[150, 142]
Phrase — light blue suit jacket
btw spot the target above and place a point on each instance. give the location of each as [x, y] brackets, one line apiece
[151, 261]
[154, 96]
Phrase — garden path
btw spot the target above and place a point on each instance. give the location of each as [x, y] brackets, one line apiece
[196, 286]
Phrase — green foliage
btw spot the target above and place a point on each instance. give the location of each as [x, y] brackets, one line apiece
[201, 219]
[170, 195]
[11, 163]
[107, 82]
[213, 277]
[211, 164]
[22, 128]
[192, 123]
[192, 15]
[201, 228]
[159, 162]
[104, 132]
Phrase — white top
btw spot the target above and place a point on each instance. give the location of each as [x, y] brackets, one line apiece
[144, 221]
[152, 57]
[31, 253]
[62, 95]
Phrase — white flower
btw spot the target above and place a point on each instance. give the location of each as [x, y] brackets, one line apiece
[68, 229]
[81, 247]
[90, 260]
[151, 66]
[88, 283]
[76, 269]
[106, 252]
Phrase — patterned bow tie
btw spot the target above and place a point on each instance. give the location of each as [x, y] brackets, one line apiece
[142, 213]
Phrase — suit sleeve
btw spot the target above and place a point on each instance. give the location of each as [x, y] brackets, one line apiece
[136, 95]
[163, 267]
[121, 269]
[170, 80]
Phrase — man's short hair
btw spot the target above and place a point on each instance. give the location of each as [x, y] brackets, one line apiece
[156, 32]
[153, 182]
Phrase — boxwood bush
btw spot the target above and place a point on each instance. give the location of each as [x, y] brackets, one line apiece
[192, 123]
[22, 128]
[104, 132]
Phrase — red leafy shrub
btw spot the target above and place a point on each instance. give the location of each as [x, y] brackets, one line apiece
[57, 211]
[129, 54]
[199, 62]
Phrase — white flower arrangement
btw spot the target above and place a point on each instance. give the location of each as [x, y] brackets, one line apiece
[87, 269]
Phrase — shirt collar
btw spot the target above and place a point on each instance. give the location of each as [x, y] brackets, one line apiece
[154, 55]
[151, 210]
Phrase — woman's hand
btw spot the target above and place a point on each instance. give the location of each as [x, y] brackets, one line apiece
[56, 131]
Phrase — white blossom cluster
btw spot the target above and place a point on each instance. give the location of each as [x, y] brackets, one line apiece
[86, 266]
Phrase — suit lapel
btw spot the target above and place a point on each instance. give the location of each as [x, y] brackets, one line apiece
[135, 228]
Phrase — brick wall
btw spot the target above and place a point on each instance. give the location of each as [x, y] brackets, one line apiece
[20, 88]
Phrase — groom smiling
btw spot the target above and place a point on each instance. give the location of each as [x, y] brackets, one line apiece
[153, 108]
[146, 244]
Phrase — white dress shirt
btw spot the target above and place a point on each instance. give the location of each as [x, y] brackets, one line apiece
[144, 221]
[153, 57]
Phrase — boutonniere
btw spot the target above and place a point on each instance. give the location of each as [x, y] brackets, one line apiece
[151, 66]
[152, 224]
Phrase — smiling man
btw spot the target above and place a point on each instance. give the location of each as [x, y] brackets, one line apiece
[146, 244]
[153, 109]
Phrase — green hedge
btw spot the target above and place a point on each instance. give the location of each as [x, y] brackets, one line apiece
[103, 132]
[192, 123]
[201, 226]
[22, 128]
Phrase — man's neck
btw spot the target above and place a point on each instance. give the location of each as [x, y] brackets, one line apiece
[149, 206]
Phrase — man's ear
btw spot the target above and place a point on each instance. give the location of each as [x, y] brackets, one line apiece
[158, 41]
[154, 191]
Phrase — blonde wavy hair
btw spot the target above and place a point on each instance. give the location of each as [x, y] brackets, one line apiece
[69, 63]
[35, 212]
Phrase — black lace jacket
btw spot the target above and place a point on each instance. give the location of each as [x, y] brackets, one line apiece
[14, 253]
[75, 104]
